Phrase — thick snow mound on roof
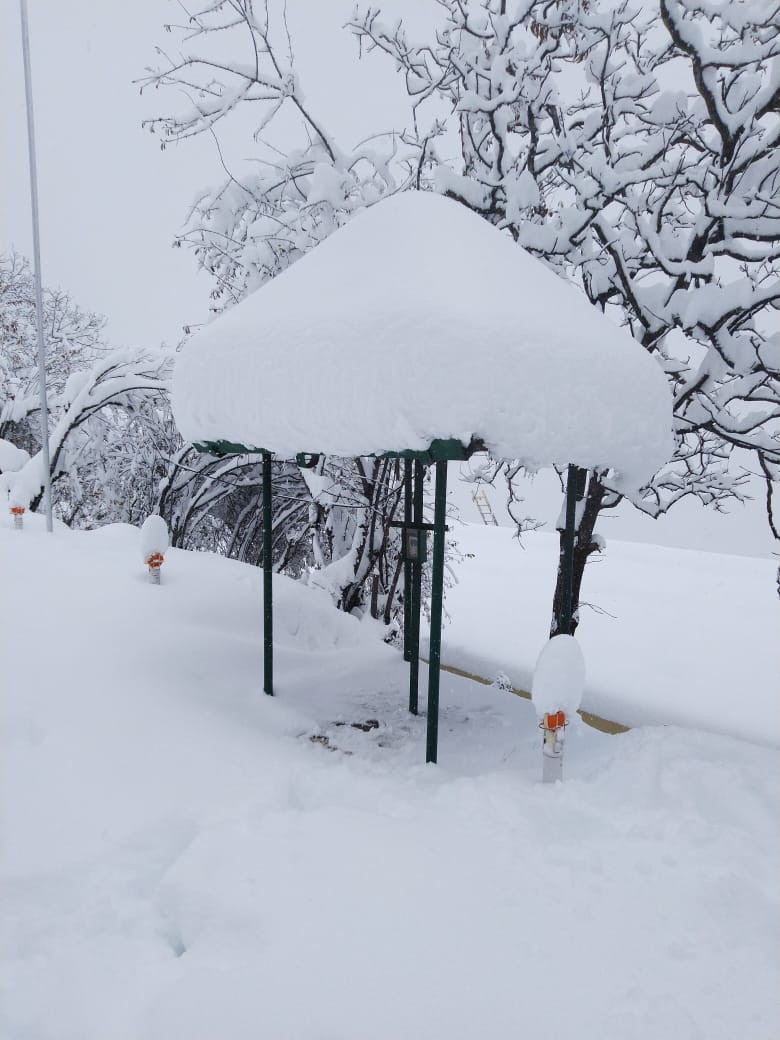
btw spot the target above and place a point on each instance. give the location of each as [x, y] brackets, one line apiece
[418, 320]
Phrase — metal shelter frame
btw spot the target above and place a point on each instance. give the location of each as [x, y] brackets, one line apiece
[438, 455]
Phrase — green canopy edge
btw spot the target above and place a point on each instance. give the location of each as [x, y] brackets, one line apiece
[440, 450]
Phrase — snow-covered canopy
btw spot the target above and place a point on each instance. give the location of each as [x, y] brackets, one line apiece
[420, 321]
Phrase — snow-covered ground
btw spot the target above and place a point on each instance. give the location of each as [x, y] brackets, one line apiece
[181, 860]
[669, 635]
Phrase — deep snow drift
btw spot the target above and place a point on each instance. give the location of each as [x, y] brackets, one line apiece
[182, 860]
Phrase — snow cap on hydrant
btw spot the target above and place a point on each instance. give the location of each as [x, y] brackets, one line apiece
[556, 692]
[154, 542]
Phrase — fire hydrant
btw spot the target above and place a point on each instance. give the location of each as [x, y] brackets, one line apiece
[553, 726]
[18, 514]
[556, 692]
[154, 563]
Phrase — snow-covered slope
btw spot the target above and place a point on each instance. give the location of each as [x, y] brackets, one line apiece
[669, 635]
[181, 860]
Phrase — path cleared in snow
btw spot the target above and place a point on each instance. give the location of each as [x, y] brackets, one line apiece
[180, 859]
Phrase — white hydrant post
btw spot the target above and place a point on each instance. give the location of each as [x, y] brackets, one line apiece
[556, 692]
[553, 727]
[154, 563]
[154, 542]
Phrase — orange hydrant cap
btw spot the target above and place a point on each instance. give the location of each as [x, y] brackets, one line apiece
[555, 720]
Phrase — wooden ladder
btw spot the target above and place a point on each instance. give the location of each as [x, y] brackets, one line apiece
[482, 503]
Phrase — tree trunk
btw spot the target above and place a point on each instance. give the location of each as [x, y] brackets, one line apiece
[584, 545]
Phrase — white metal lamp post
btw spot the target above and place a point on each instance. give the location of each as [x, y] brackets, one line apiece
[37, 261]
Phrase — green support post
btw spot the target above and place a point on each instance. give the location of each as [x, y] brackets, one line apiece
[437, 597]
[567, 610]
[268, 610]
[408, 465]
[416, 596]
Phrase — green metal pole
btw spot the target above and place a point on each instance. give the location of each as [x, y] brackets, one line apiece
[268, 609]
[416, 596]
[407, 563]
[567, 609]
[437, 597]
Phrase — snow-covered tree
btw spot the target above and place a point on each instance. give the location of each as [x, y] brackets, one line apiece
[356, 554]
[235, 56]
[99, 401]
[104, 438]
[631, 147]
[329, 520]
[216, 504]
[251, 225]
[73, 339]
[634, 148]
[116, 455]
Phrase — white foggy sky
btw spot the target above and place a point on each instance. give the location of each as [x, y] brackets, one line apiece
[110, 200]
